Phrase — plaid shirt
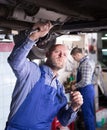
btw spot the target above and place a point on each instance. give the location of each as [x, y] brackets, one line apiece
[86, 67]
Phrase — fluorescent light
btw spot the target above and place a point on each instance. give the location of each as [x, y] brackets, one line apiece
[69, 38]
[104, 52]
[104, 38]
[104, 49]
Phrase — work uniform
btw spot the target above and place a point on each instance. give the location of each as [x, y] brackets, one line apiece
[38, 96]
[86, 88]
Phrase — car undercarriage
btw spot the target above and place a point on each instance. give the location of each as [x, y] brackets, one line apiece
[68, 16]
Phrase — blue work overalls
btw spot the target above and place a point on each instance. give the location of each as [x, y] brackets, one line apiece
[39, 108]
[88, 109]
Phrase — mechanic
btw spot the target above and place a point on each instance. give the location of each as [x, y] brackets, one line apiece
[38, 96]
[84, 83]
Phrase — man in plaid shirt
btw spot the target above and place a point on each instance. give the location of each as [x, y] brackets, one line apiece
[84, 83]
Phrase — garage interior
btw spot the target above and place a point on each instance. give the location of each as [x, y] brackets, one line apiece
[80, 23]
[93, 44]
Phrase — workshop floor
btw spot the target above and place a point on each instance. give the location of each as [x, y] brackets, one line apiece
[103, 128]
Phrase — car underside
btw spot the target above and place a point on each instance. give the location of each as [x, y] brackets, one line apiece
[67, 16]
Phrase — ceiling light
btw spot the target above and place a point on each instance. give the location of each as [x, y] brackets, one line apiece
[104, 38]
[69, 38]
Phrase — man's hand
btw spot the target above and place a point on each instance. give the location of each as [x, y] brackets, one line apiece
[41, 29]
[76, 100]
